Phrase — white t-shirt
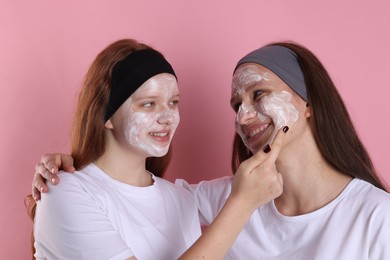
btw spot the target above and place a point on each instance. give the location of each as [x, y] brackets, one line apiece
[89, 215]
[355, 225]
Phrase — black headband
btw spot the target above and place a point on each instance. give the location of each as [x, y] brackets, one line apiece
[283, 62]
[130, 73]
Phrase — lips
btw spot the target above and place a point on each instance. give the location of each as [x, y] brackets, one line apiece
[256, 134]
[252, 131]
[161, 136]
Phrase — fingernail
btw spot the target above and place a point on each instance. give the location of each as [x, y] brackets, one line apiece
[53, 180]
[52, 170]
[285, 129]
[267, 148]
[35, 197]
[41, 189]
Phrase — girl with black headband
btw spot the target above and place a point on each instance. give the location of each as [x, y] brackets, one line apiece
[334, 205]
[117, 206]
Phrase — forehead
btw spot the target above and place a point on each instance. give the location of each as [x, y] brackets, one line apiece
[252, 72]
[249, 74]
[161, 83]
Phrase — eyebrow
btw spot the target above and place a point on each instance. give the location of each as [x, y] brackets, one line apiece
[251, 86]
[153, 97]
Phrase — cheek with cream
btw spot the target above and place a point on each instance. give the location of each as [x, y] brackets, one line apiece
[276, 108]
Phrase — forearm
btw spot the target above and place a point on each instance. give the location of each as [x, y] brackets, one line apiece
[255, 183]
[223, 231]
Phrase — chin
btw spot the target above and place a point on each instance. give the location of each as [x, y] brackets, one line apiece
[255, 149]
[159, 153]
[257, 146]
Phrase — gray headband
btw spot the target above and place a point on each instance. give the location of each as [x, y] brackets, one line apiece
[283, 62]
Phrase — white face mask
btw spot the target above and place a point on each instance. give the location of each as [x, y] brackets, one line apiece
[150, 116]
[246, 76]
[273, 108]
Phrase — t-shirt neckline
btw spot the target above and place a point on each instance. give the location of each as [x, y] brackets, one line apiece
[317, 212]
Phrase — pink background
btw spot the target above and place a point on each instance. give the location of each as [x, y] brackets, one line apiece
[46, 47]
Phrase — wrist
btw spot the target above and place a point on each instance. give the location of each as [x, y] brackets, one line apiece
[240, 205]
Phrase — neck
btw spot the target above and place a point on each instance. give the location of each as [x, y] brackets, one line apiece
[309, 182]
[124, 165]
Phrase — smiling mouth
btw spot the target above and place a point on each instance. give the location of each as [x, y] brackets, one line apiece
[161, 137]
[159, 134]
[256, 131]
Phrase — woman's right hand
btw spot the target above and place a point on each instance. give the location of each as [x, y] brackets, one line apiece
[257, 181]
[47, 169]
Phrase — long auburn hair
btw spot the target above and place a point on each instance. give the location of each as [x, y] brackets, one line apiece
[88, 131]
[333, 129]
[88, 141]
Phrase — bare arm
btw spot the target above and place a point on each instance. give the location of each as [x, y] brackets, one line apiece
[255, 183]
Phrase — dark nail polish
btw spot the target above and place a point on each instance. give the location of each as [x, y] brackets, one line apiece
[267, 148]
[285, 129]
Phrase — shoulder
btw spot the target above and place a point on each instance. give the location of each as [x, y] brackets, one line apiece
[209, 195]
[219, 185]
[175, 195]
[217, 189]
[74, 187]
[374, 206]
[77, 194]
[369, 202]
[68, 181]
[169, 187]
[369, 194]
[89, 178]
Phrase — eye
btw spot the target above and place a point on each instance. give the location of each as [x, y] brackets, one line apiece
[148, 104]
[174, 103]
[257, 95]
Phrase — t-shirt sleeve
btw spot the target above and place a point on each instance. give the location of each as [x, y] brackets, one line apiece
[380, 244]
[381, 250]
[210, 196]
[70, 223]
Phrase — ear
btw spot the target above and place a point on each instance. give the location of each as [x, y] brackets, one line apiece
[108, 124]
[307, 110]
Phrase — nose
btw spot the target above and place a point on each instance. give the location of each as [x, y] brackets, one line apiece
[166, 117]
[245, 114]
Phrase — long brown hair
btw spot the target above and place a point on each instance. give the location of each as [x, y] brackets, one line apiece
[333, 129]
[88, 138]
[88, 141]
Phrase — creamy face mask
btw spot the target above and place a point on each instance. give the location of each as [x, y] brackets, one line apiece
[246, 76]
[275, 108]
[151, 128]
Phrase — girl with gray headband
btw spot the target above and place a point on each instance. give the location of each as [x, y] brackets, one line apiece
[334, 204]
